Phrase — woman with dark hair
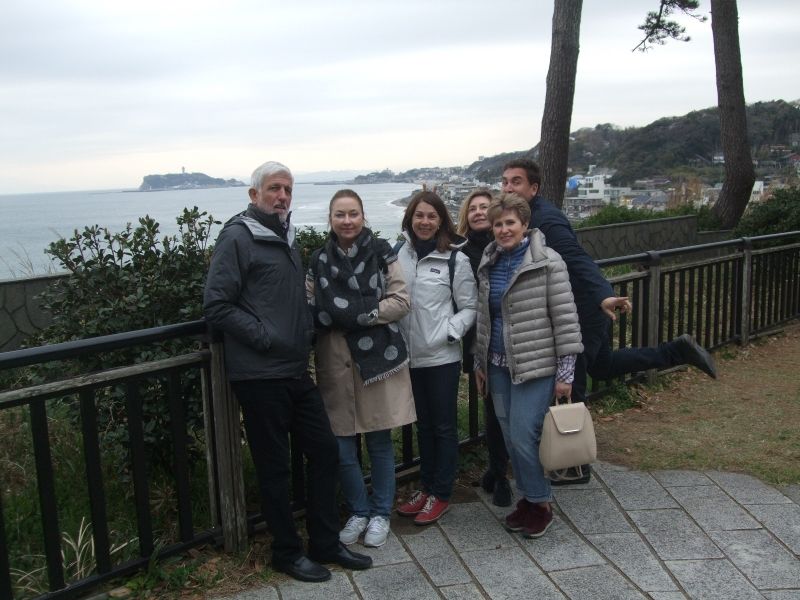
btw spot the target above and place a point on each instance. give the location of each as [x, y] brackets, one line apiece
[473, 223]
[358, 294]
[443, 303]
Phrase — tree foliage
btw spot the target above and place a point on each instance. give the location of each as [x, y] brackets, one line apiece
[658, 28]
[611, 215]
[777, 214]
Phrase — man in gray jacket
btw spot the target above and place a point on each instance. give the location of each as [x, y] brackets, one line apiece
[255, 295]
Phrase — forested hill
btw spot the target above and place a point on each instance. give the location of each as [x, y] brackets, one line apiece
[184, 181]
[665, 145]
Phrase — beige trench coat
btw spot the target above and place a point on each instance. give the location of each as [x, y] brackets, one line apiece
[353, 408]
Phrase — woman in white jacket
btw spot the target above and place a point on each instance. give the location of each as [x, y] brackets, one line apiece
[443, 308]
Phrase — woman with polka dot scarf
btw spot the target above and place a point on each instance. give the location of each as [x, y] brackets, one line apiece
[358, 293]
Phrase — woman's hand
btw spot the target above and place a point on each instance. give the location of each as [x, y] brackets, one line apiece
[563, 390]
[480, 381]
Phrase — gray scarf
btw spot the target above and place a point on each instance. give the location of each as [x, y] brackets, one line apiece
[347, 289]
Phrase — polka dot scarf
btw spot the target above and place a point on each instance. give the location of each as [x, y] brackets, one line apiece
[347, 289]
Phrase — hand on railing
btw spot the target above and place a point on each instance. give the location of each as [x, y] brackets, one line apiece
[614, 303]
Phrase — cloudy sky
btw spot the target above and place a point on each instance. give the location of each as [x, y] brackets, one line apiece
[95, 94]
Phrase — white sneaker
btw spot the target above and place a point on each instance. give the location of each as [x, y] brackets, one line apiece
[377, 532]
[353, 529]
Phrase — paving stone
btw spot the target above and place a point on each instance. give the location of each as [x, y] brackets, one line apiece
[338, 586]
[498, 511]
[633, 557]
[746, 489]
[782, 594]
[392, 552]
[435, 555]
[398, 582]
[635, 490]
[712, 580]
[471, 526]
[561, 548]
[783, 520]
[673, 535]
[592, 511]
[713, 509]
[604, 467]
[595, 583]
[765, 562]
[791, 491]
[666, 596]
[263, 593]
[464, 591]
[509, 573]
[681, 478]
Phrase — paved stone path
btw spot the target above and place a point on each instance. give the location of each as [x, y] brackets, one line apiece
[666, 535]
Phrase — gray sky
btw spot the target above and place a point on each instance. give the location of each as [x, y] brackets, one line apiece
[95, 94]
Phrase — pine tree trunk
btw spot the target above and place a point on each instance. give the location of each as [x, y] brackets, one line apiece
[739, 172]
[557, 116]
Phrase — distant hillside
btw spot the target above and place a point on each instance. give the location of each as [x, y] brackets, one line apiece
[184, 181]
[665, 145]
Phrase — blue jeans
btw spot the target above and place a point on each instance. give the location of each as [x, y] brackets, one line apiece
[381, 456]
[436, 398]
[520, 409]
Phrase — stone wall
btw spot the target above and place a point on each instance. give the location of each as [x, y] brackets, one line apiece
[20, 313]
[623, 239]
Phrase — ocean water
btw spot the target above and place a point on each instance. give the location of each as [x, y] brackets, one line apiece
[30, 222]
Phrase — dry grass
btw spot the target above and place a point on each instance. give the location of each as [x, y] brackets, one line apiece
[747, 421]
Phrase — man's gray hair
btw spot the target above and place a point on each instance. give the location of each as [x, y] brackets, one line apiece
[268, 169]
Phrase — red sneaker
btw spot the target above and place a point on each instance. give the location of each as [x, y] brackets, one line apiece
[537, 521]
[413, 505]
[516, 520]
[432, 511]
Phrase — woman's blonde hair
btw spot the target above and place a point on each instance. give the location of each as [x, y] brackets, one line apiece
[462, 228]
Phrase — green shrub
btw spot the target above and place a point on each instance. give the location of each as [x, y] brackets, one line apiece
[778, 214]
[610, 215]
[118, 282]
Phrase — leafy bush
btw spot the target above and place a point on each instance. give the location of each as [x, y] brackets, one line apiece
[610, 215]
[778, 214]
[126, 281]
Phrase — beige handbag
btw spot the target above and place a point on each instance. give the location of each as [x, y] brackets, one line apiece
[567, 437]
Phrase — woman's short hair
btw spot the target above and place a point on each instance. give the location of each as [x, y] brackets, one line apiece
[446, 233]
[509, 201]
[462, 228]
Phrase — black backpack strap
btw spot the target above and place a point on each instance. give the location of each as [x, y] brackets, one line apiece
[451, 266]
[398, 245]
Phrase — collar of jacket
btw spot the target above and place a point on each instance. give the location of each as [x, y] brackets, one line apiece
[261, 233]
[456, 244]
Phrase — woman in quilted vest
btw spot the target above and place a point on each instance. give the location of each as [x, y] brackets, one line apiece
[528, 336]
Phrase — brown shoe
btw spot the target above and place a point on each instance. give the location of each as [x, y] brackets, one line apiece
[515, 521]
[537, 522]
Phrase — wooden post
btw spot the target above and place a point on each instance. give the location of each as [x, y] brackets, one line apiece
[228, 452]
[747, 282]
[653, 306]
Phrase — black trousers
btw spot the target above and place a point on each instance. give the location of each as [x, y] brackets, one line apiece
[601, 362]
[498, 455]
[273, 408]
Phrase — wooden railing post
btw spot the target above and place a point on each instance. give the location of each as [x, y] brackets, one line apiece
[747, 282]
[228, 455]
[653, 306]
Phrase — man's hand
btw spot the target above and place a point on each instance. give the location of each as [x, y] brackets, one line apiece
[614, 303]
[563, 390]
[480, 381]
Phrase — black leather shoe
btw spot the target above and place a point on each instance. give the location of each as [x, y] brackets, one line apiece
[694, 354]
[303, 569]
[488, 481]
[502, 493]
[344, 557]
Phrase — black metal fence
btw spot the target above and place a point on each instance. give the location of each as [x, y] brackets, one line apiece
[721, 293]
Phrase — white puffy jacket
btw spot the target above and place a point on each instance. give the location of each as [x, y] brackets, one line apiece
[431, 329]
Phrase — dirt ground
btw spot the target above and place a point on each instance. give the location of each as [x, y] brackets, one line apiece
[747, 420]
